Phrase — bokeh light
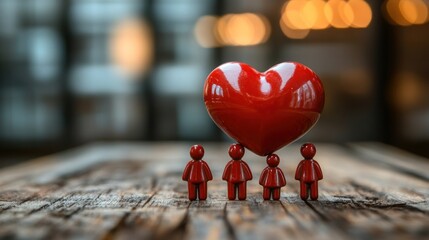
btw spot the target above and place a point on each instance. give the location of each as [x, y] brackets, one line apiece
[220, 29]
[294, 13]
[407, 91]
[131, 46]
[293, 33]
[362, 13]
[406, 12]
[320, 14]
[204, 31]
[317, 7]
[244, 29]
[414, 11]
[340, 14]
[309, 14]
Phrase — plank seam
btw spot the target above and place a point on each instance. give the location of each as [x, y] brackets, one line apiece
[229, 227]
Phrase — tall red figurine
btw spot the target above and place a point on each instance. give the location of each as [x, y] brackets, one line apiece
[237, 173]
[197, 173]
[272, 178]
[308, 172]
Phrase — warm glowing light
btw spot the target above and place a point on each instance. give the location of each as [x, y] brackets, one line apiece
[285, 20]
[346, 13]
[423, 12]
[407, 91]
[221, 29]
[362, 13]
[321, 20]
[131, 46]
[308, 14]
[339, 13]
[294, 12]
[407, 12]
[328, 12]
[321, 14]
[293, 33]
[413, 11]
[204, 31]
[244, 29]
[392, 8]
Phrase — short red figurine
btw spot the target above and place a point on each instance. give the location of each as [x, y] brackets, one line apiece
[308, 172]
[272, 178]
[237, 173]
[197, 173]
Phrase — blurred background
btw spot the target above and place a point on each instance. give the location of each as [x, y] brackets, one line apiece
[76, 71]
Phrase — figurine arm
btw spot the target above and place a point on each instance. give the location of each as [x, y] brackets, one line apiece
[248, 172]
[318, 170]
[263, 176]
[186, 172]
[227, 171]
[207, 171]
[282, 177]
[298, 171]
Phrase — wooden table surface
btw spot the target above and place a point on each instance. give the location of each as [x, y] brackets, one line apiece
[135, 191]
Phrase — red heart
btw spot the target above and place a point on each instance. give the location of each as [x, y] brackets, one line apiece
[264, 111]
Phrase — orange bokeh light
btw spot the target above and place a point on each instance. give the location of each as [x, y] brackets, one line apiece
[204, 31]
[320, 14]
[244, 29]
[339, 12]
[318, 8]
[131, 46]
[414, 11]
[362, 13]
[407, 12]
[293, 33]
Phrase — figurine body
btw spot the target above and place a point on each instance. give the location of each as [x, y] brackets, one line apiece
[308, 172]
[237, 173]
[272, 178]
[197, 173]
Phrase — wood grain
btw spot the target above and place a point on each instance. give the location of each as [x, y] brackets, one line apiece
[134, 191]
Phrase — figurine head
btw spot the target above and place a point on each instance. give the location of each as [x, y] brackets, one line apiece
[197, 152]
[308, 150]
[236, 151]
[273, 160]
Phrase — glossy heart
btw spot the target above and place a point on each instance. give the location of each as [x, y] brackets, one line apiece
[264, 111]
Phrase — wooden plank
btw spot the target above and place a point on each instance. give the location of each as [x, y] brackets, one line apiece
[58, 166]
[371, 201]
[157, 217]
[207, 219]
[86, 206]
[395, 158]
[285, 219]
[131, 190]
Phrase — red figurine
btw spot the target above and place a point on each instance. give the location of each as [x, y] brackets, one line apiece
[308, 172]
[237, 173]
[272, 178]
[197, 173]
